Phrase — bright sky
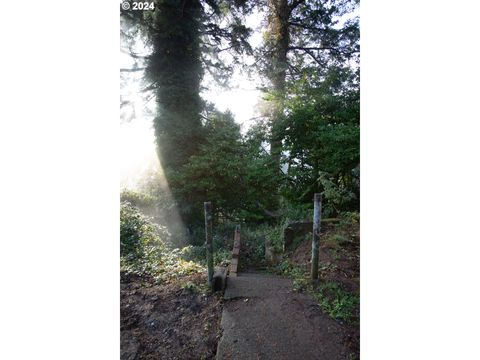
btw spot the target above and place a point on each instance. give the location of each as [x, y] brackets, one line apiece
[242, 98]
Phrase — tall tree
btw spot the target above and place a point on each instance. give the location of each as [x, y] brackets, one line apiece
[185, 38]
[302, 34]
[175, 70]
[321, 137]
[277, 41]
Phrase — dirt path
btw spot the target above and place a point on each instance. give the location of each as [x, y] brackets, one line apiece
[263, 319]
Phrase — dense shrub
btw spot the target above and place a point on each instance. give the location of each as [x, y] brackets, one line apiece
[138, 199]
[141, 246]
[145, 249]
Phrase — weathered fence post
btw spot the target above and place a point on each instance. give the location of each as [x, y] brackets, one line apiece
[235, 252]
[208, 240]
[317, 211]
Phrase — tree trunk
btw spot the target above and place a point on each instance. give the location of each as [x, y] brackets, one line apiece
[175, 70]
[278, 40]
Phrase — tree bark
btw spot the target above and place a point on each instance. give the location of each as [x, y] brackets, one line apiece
[278, 41]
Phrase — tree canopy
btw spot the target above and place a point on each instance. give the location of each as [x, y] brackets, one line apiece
[307, 139]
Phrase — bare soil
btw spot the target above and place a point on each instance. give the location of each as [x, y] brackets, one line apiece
[166, 321]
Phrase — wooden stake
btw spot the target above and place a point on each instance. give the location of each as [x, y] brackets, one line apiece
[208, 240]
[317, 213]
[236, 252]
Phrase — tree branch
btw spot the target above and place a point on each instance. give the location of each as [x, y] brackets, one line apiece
[149, 88]
[309, 52]
[132, 70]
[226, 49]
[294, 4]
[133, 55]
[311, 48]
[293, 23]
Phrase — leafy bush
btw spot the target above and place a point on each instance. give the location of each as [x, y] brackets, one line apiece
[137, 234]
[138, 199]
[335, 194]
[197, 254]
[253, 245]
[191, 287]
[273, 234]
[285, 268]
[141, 247]
[215, 173]
[349, 218]
[322, 136]
[174, 265]
[336, 302]
[194, 253]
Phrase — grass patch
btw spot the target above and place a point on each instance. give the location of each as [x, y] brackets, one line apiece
[331, 297]
[336, 302]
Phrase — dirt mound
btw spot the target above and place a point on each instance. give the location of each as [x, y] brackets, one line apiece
[166, 321]
[339, 255]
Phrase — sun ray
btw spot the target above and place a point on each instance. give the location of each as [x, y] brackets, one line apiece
[141, 171]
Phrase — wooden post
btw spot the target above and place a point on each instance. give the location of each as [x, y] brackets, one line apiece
[208, 240]
[317, 211]
[235, 253]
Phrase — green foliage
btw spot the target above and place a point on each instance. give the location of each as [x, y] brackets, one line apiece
[348, 218]
[222, 256]
[337, 302]
[291, 213]
[215, 173]
[273, 235]
[332, 298]
[184, 39]
[191, 287]
[143, 250]
[175, 70]
[312, 35]
[253, 245]
[232, 171]
[202, 151]
[261, 175]
[285, 268]
[141, 247]
[174, 266]
[322, 137]
[197, 254]
[335, 194]
[138, 199]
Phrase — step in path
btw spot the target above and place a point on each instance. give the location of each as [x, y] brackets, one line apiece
[263, 319]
